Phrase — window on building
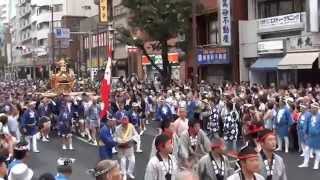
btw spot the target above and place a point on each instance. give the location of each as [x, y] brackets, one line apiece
[57, 7]
[270, 8]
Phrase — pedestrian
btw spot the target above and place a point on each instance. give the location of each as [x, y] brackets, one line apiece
[230, 126]
[106, 139]
[64, 168]
[272, 165]
[29, 125]
[215, 165]
[162, 166]
[126, 136]
[250, 165]
[106, 170]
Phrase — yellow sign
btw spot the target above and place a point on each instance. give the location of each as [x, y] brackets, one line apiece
[103, 11]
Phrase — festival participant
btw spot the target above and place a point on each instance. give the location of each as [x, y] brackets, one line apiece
[215, 165]
[162, 166]
[313, 136]
[65, 125]
[273, 167]
[106, 170]
[135, 120]
[3, 168]
[29, 125]
[126, 136]
[194, 144]
[106, 139]
[283, 123]
[13, 123]
[230, 126]
[163, 110]
[94, 118]
[20, 154]
[213, 124]
[181, 124]
[64, 168]
[167, 128]
[45, 110]
[301, 127]
[250, 165]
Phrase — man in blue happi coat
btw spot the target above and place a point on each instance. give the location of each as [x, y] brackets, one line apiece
[313, 136]
[163, 110]
[106, 140]
[29, 125]
[283, 123]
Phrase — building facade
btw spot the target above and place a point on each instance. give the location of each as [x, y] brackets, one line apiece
[33, 28]
[215, 58]
[280, 42]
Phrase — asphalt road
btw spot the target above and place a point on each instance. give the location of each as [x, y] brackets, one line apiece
[86, 157]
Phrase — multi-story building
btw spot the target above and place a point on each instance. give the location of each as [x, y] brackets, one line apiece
[280, 42]
[215, 57]
[4, 12]
[35, 20]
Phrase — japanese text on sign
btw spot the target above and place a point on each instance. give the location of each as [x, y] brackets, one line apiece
[225, 22]
[103, 11]
[213, 56]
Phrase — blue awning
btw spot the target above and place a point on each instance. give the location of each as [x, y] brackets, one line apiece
[266, 64]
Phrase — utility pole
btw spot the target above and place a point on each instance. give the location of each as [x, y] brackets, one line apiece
[194, 37]
[98, 46]
[52, 40]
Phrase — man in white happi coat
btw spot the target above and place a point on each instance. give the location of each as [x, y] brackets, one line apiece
[272, 165]
[215, 165]
[126, 136]
[194, 144]
[162, 166]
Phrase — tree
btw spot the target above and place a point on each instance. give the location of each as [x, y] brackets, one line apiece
[159, 21]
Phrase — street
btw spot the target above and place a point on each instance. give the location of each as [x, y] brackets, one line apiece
[86, 156]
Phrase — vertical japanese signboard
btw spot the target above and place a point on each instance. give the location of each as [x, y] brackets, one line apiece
[103, 11]
[225, 22]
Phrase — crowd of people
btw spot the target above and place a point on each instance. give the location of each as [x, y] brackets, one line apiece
[207, 131]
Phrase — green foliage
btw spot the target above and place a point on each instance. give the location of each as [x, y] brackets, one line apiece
[159, 20]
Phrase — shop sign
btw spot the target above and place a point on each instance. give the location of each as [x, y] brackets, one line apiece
[62, 33]
[303, 42]
[225, 22]
[157, 59]
[278, 21]
[103, 11]
[270, 47]
[213, 55]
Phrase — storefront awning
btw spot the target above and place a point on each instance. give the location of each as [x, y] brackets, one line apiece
[298, 60]
[266, 64]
